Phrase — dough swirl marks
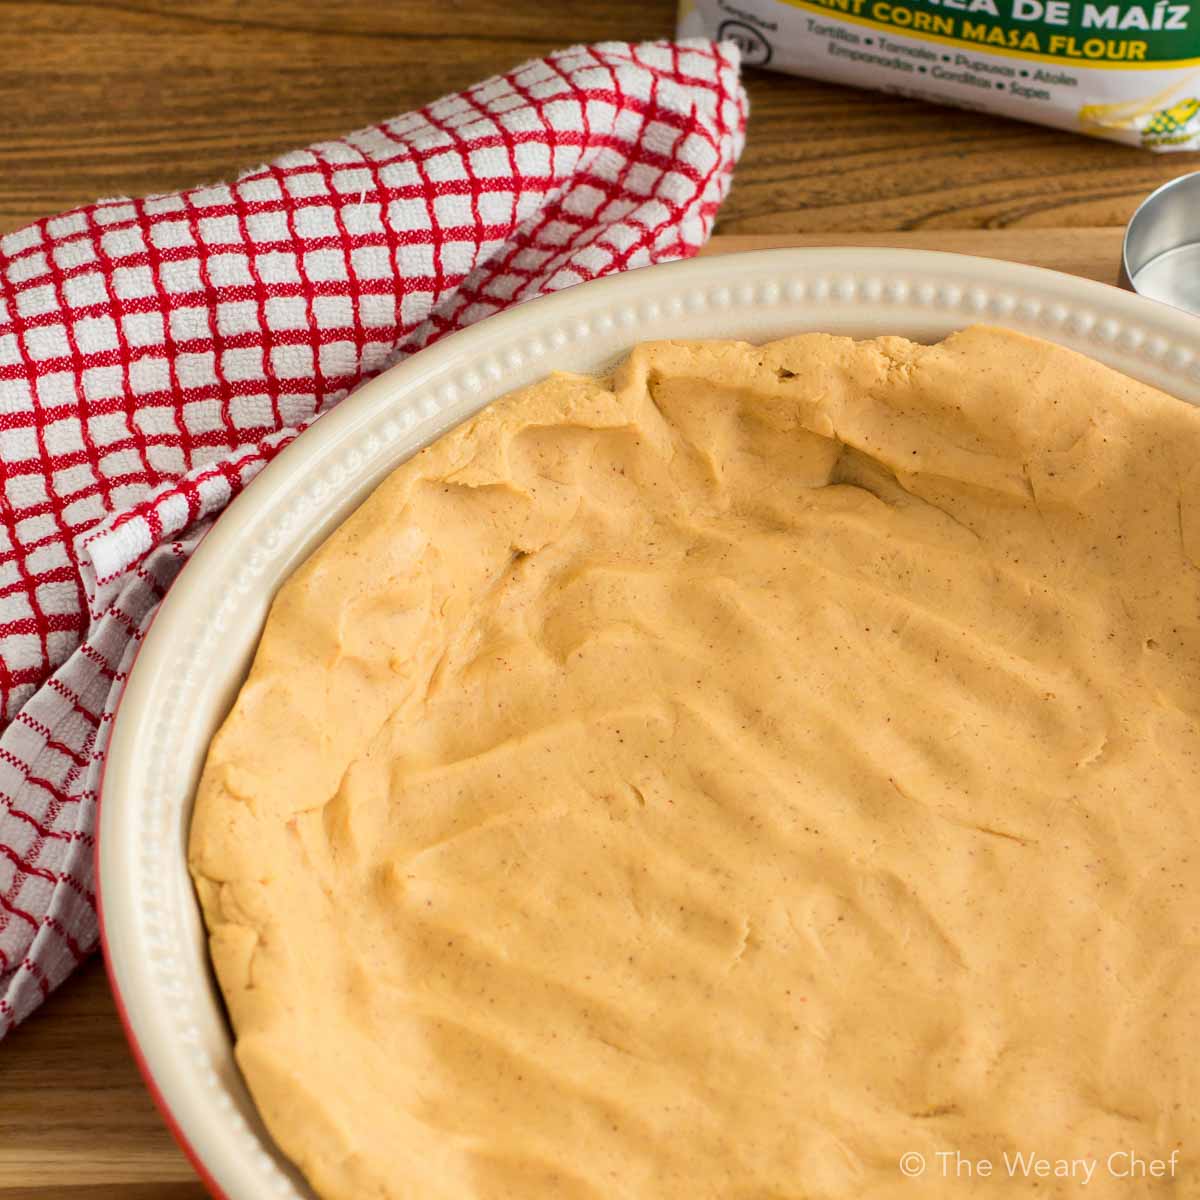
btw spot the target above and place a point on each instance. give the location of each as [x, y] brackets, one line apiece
[720, 779]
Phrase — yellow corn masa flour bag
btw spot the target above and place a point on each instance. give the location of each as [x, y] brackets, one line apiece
[1119, 69]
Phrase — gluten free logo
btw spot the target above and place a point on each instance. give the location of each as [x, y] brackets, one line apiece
[754, 47]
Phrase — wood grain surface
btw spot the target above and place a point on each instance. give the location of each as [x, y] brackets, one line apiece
[149, 95]
[75, 1120]
[133, 96]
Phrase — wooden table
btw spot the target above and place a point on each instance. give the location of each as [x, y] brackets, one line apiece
[132, 96]
[109, 98]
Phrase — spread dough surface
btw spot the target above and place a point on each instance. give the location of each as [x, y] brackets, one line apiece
[718, 780]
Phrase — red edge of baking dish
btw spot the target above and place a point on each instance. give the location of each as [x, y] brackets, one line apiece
[164, 1109]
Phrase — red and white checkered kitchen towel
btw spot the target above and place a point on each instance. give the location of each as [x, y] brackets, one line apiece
[155, 353]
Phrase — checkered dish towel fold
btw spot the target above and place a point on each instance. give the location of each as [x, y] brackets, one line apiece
[156, 353]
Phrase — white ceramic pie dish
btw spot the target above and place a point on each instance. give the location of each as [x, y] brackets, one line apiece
[200, 645]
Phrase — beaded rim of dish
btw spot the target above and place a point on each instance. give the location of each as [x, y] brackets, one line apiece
[478, 378]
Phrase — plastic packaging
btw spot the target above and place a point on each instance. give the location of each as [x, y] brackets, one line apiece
[1118, 69]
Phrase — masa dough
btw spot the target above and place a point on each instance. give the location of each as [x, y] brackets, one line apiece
[721, 779]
